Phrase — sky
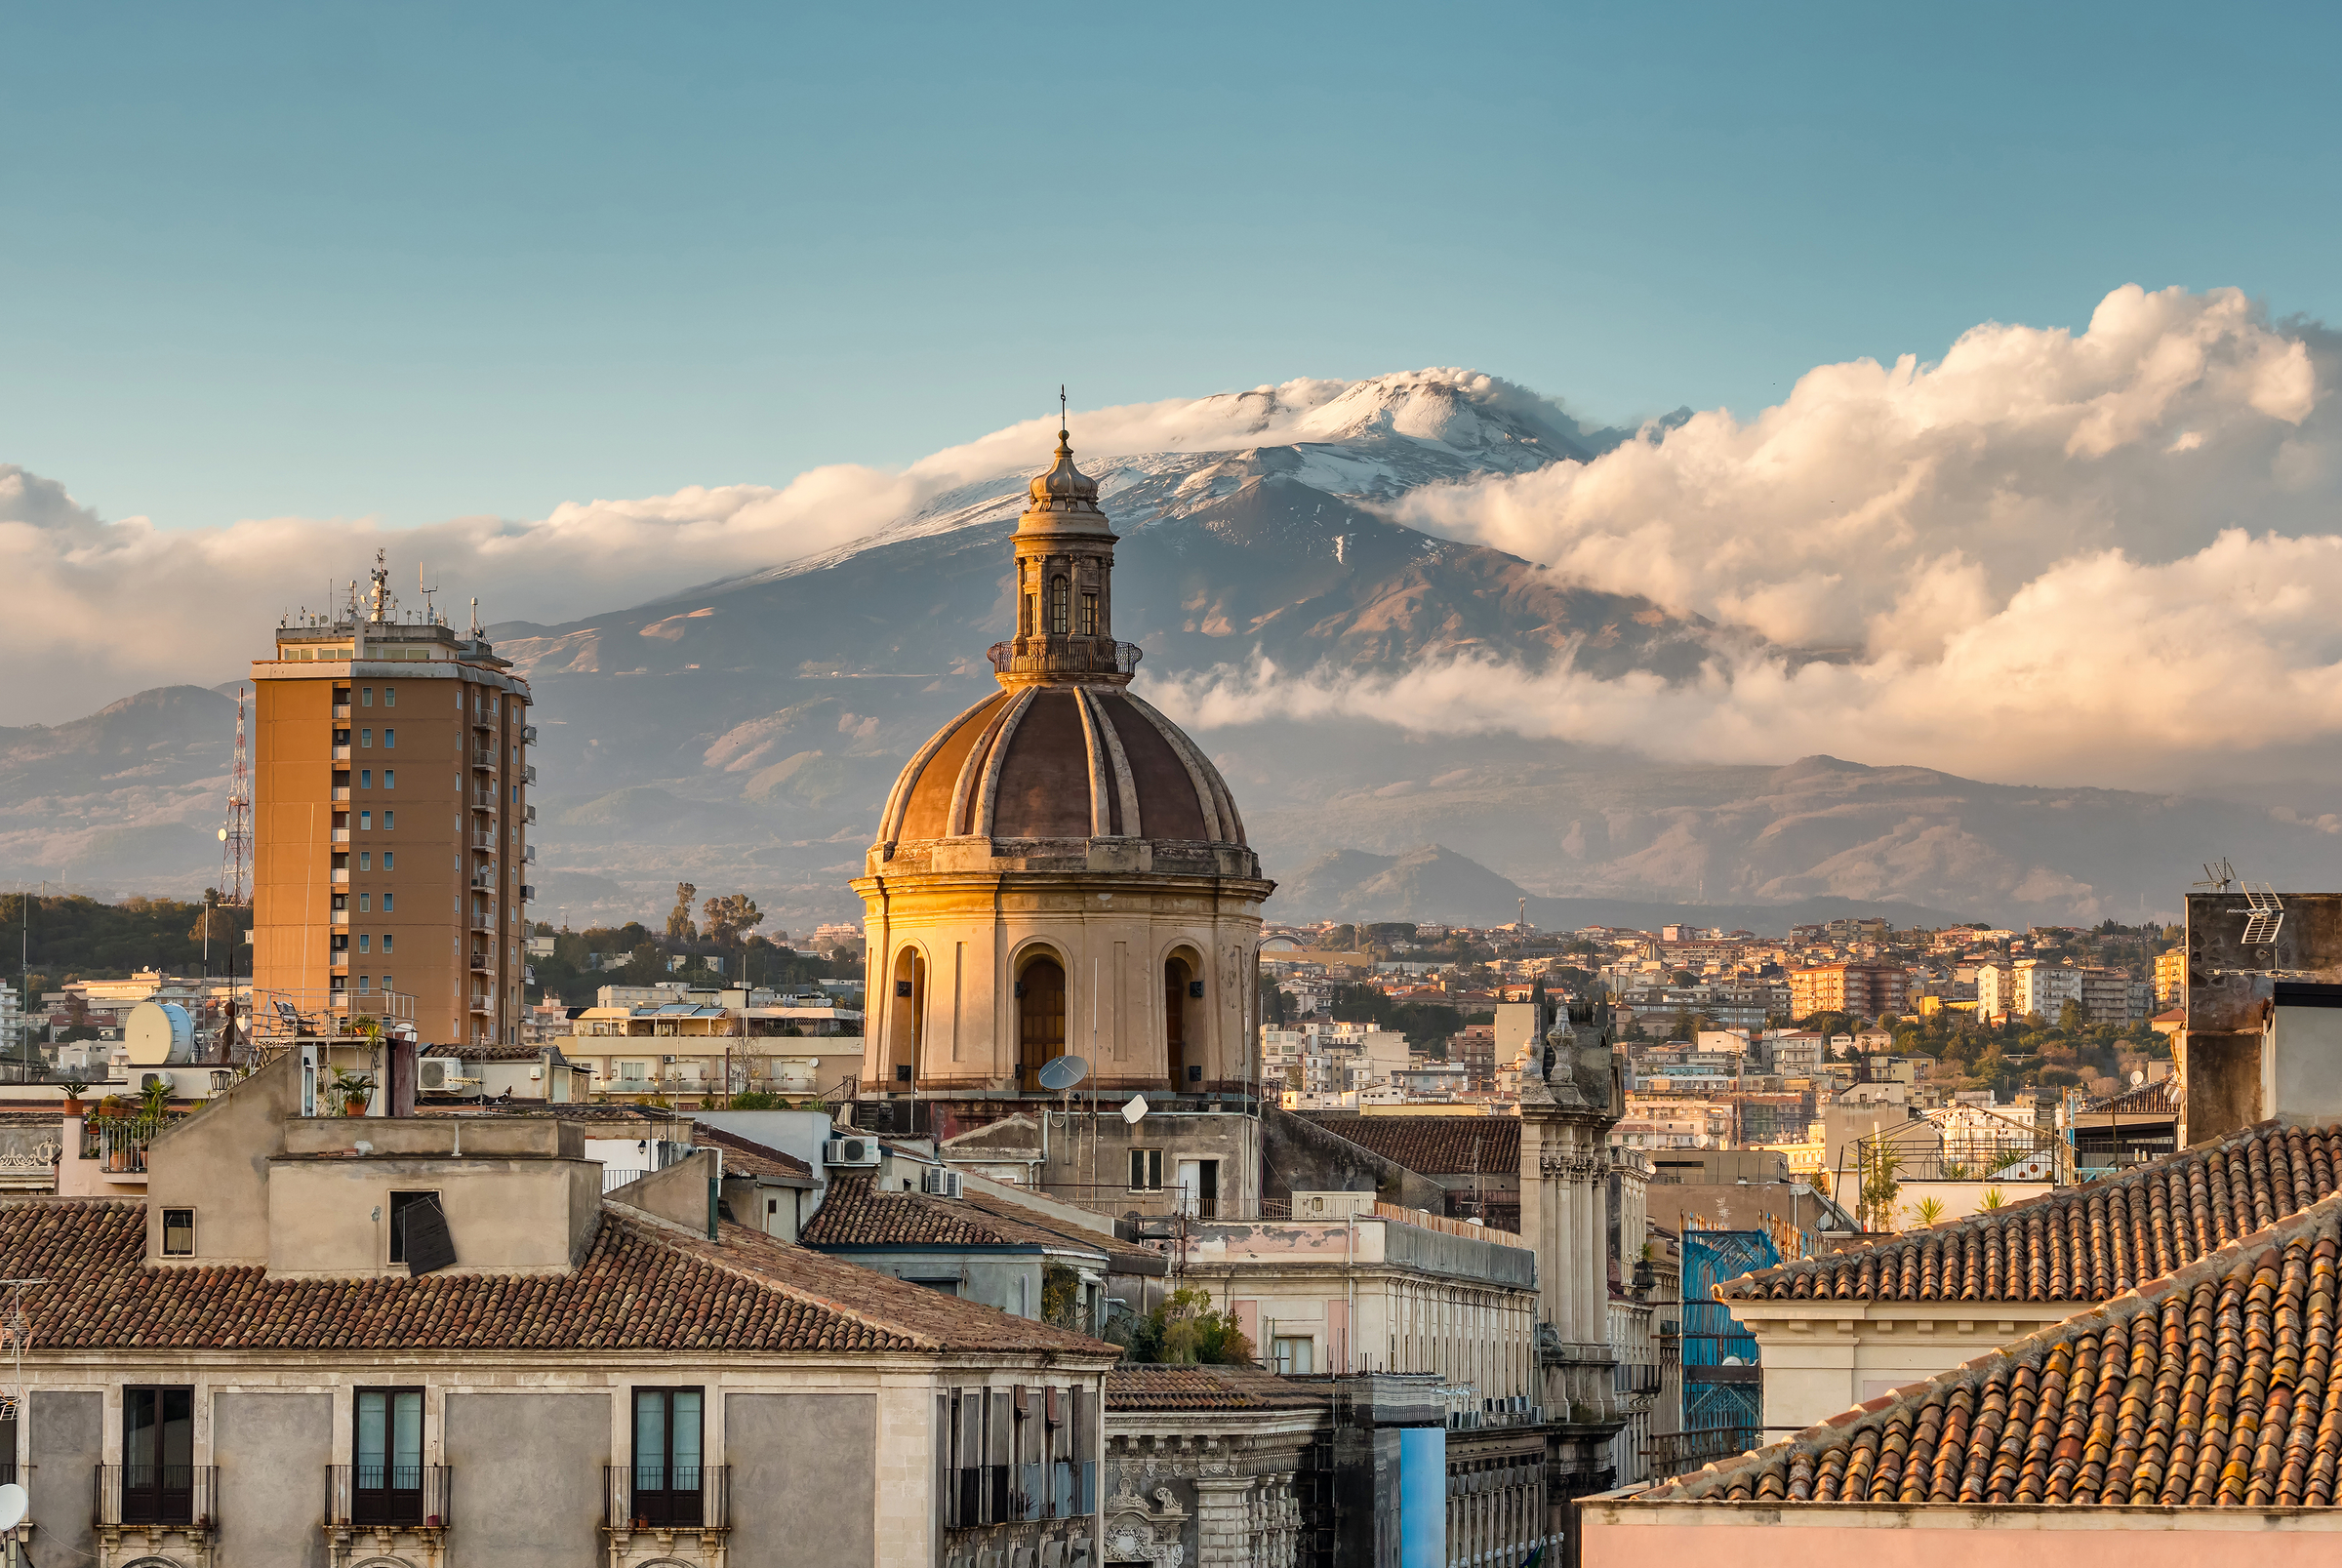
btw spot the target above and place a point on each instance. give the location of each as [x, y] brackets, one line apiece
[418, 263]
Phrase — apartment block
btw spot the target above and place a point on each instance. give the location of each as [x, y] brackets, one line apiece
[390, 818]
[1859, 991]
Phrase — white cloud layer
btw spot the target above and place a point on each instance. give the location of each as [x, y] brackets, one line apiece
[2087, 555]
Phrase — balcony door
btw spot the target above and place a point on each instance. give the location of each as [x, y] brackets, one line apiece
[668, 1458]
[158, 1456]
[387, 1483]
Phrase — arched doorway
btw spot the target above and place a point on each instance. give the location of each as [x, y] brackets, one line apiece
[1040, 1017]
[908, 1018]
[1182, 1050]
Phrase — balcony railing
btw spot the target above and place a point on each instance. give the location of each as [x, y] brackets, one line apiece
[528, 735]
[528, 773]
[483, 759]
[1675, 1453]
[528, 893]
[118, 1144]
[655, 1497]
[1009, 1494]
[182, 1495]
[1075, 656]
[479, 963]
[419, 1495]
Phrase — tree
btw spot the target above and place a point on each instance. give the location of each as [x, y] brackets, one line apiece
[678, 919]
[1928, 1211]
[1185, 1330]
[732, 917]
[2074, 1015]
[1683, 977]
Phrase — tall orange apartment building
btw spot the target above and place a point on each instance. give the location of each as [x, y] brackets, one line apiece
[390, 816]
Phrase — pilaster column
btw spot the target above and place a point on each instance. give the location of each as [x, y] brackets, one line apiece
[1222, 1514]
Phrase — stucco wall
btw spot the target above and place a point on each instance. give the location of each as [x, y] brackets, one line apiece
[1934, 1535]
[332, 1215]
[63, 1446]
[804, 1470]
[1824, 1357]
[272, 1450]
[216, 1163]
[542, 1513]
[1299, 1154]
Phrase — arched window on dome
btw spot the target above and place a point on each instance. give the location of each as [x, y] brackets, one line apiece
[906, 1015]
[1041, 1016]
[1061, 605]
[1183, 1014]
[1089, 614]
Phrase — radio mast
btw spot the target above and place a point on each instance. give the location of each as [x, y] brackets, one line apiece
[235, 839]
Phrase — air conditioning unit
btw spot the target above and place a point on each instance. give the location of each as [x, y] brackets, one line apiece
[154, 1080]
[850, 1151]
[440, 1076]
[935, 1182]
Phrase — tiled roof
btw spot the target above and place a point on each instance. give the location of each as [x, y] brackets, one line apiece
[2082, 1243]
[643, 1285]
[746, 1157]
[2206, 1389]
[1130, 1387]
[1435, 1145]
[2148, 1098]
[856, 1215]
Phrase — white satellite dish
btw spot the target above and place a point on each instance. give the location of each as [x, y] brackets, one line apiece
[1133, 1108]
[1062, 1072]
[158, 1032]
[13, 1506]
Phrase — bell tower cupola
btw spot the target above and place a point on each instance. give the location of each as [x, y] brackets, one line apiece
[1065, 551]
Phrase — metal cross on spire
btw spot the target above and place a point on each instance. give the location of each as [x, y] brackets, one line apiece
[1061, 408]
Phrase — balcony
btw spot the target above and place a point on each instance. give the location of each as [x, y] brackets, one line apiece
[528, 735]
[484, 880]
[528, 773]
[528, 894]
[341, 712]
[340, 792]
[528, 856]
[117, 1145]
[341, 874]
[652, 1497]
[341, 835]
[481, 1004]
[340, 917]
[479, 963]
[373, 1496]
[171, 1496]
[528, 813]
[1064, 655]
[484, 759]
[341, 753]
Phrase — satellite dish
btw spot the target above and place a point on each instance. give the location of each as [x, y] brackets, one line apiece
[13, 1504]
[157, 1032]
[2137, 1078]
[222, 835]
[1063, 1072]
[1134, 1109]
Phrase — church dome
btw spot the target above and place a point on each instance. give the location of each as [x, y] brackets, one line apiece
[1048, 761]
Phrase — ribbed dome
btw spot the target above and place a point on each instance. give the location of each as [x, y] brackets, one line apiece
[1060, 762]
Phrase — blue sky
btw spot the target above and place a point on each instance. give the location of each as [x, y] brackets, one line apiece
[423, 261]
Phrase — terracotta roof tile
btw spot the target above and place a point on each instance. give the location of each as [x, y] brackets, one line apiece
[856, 1215]
[1434, 1146]
[746, 1156]
[1130, 1387]
[2081, 1243]
[642, 1285]
[2215, 1386]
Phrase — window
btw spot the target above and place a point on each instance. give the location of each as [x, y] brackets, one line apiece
[365, 696]
[1061, 603]
[365, 982]
[1295, 1355]
[385, 945]
[390, 696]
[403, 1207]
[390, 739]
[365, 862]
[387, 1462]
[386, 899]
[386, 985]
[390, 820]
[178, 1235]
[365, 944]
[389, 778]
[1145, 1170]
[949, 1287]
[365, 738]
[1025, 613]
[1089, 614]
[158, 1456]
[362, 898]
[365, 820]
[387, 857]
[365, 778]
[667, 1456]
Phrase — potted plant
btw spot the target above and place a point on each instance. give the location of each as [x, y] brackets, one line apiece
[74, 1083]
[353, 1090]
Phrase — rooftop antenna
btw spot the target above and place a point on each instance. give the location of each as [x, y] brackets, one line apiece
[235, 855]
[430, 616]
[381, 606]
[476, 618]
[2264, 912]
[2217, 878]
[1061, 409]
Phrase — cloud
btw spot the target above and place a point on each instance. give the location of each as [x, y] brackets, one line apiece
[99, 608]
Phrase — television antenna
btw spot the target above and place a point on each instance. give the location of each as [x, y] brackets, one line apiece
[16, 1332]
[430, 616]
[2216, 879]
[2264, 914]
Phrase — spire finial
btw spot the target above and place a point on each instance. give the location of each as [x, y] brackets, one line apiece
[1061, 413]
